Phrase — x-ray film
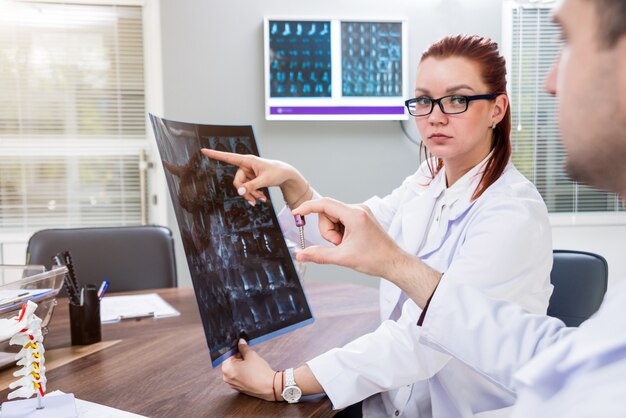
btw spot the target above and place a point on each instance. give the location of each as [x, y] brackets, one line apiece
[245, 281]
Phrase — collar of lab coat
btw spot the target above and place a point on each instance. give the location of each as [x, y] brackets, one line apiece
[463, 189]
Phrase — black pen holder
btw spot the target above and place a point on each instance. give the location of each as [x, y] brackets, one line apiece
[85, 319]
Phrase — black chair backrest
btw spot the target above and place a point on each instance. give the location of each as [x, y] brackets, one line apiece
[130, 258]
[580, 281]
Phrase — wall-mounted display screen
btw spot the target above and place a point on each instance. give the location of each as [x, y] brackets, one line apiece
[245, 282]
[335, 69]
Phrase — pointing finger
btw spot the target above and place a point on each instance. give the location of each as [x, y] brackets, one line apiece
[228, 157]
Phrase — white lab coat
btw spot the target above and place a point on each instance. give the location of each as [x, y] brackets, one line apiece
[556, 371]
[500, 243]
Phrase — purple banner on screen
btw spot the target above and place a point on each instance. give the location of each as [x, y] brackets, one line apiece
[337, 110]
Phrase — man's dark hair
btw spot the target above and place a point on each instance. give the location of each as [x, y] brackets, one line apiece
[611, 20]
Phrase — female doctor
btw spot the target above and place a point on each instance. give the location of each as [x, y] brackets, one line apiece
[467, 212]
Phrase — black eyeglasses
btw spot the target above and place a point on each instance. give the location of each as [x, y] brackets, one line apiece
[450, 105]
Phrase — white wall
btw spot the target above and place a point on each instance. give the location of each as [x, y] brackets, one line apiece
[212, 72]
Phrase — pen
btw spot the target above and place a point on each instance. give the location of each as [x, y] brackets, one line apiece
[14, 299]
[103, 288]
[70, 268]
[137, 316]
[300, 222]
[70, 284]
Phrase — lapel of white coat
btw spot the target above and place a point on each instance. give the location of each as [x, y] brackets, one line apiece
[417, 212]
[462, 205]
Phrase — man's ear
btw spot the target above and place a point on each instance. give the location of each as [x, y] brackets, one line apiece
[501, 103]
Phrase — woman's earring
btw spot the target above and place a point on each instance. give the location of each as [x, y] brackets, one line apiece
[493, 126]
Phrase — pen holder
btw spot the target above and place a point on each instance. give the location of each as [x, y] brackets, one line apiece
[85, 319]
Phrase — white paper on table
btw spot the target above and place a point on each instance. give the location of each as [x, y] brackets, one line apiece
[88, 409]
[116, 308]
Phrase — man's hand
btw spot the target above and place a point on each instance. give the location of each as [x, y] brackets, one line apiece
[361, 244]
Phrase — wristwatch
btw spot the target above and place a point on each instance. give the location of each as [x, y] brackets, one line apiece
[292, 392]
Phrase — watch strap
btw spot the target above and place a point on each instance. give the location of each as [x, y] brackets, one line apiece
[290, 379]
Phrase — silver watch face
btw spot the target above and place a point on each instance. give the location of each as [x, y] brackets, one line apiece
[292, 394]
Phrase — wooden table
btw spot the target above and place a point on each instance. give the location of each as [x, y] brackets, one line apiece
[161, 367]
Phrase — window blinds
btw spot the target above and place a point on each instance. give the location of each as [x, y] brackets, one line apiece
[72, 115]
[537, 149]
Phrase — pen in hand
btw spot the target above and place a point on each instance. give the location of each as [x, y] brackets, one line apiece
[300, 222]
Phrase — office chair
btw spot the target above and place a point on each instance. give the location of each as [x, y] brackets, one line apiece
[580, 281]
[130, 258]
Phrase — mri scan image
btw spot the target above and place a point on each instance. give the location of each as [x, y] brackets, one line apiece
[245, 281]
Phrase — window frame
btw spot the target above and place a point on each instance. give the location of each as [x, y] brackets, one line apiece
[13, 243]
[597, 218]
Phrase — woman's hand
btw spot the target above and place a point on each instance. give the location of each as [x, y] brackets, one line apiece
[255, 173]
[247, 372]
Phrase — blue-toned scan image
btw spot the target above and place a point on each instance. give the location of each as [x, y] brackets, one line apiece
[371, 59]
[245, 282]
[299, 58]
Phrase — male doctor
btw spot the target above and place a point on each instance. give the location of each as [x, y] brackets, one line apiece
[555, 371]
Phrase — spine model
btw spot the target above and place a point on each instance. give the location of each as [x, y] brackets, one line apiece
[26, 330]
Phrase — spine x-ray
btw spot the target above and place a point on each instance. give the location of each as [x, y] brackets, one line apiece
[371, 59]
[245, 281]
[300, 59]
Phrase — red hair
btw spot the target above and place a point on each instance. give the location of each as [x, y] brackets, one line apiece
[484, 52]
